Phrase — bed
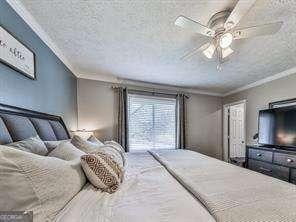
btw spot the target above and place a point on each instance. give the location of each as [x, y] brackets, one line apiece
[163, 185]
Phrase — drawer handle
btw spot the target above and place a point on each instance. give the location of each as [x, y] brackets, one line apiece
[289, 160]
[259, 154]
[264, 169]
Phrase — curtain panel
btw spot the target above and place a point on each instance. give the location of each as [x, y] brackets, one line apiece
[181, 121]
[122, 130]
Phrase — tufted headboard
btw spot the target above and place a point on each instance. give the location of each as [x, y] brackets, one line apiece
[18, 124]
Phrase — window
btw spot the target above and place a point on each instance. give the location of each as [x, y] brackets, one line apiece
[151, 122]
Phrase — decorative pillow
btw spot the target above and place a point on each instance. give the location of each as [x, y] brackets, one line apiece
[51, 145]
[84, 145]
[32, 145]
[66, 151]
[115, 145]
[102, 171]
[36, 183]
[94, 140]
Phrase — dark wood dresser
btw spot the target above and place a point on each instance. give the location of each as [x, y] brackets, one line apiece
[273, 162]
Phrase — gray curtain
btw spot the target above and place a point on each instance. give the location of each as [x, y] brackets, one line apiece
[181, 121]
[122, 117]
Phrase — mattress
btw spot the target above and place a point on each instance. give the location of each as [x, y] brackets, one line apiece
[148, 194]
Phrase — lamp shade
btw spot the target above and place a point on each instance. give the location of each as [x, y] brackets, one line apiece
[85, 134]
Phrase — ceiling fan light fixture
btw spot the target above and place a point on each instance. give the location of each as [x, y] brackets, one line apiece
[225, 40]
[221, 28]
[209, 52]
[226, 52]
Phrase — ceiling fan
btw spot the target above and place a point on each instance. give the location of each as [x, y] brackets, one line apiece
[222, 30]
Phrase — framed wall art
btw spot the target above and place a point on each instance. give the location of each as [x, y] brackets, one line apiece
[16, 55]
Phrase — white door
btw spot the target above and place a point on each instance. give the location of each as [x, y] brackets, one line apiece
[236, 130]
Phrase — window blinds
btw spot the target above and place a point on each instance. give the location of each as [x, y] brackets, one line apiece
[151, 122]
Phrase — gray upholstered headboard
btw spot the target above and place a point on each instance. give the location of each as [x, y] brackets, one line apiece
[18, 124]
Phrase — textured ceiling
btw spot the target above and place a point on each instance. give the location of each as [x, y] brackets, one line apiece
[137, 39]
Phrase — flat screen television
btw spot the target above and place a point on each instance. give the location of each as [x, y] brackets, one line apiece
[277, 127]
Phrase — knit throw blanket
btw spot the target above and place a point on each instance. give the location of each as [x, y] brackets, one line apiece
[231, 193]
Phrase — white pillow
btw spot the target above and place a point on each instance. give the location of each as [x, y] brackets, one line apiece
[115, 145]
[93, 139]
[89, 147]
[66, 151]
[113, 153]
[84, 145]
[32, 145]
[36, 183]
[51, 145]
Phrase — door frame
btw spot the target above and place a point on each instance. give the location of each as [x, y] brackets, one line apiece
[226, 108]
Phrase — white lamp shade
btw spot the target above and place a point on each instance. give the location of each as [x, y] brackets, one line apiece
[225, 40]
[226, 52]
[83, 133]
[209, 52]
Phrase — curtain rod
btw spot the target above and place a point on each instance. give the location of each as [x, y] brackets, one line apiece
[156, 91]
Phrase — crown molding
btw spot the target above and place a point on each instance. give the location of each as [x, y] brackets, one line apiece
[100, 77]
[20, 9]
[262, 81]
[116, 80]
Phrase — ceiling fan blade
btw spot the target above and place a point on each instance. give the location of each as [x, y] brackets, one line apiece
[209, 51]
[226, 52]
[192, 25]
[194, 51]
[241, 8]
[267, 29]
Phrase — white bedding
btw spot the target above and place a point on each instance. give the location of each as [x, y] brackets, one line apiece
[231, 193]
[148, 194]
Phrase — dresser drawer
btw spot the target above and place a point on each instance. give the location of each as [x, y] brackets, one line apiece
[260, 155]
[285, 159]
[260, 167]
[279, 172]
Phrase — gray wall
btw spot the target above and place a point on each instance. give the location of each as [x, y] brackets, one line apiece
[97, 111]
[53, 92]
[97, 108]
[204, 124]
[259, 97]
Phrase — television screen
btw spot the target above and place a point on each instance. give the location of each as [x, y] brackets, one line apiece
[278, 126]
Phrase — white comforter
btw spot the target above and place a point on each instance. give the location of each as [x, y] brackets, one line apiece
[148, 194]
[230, 193]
